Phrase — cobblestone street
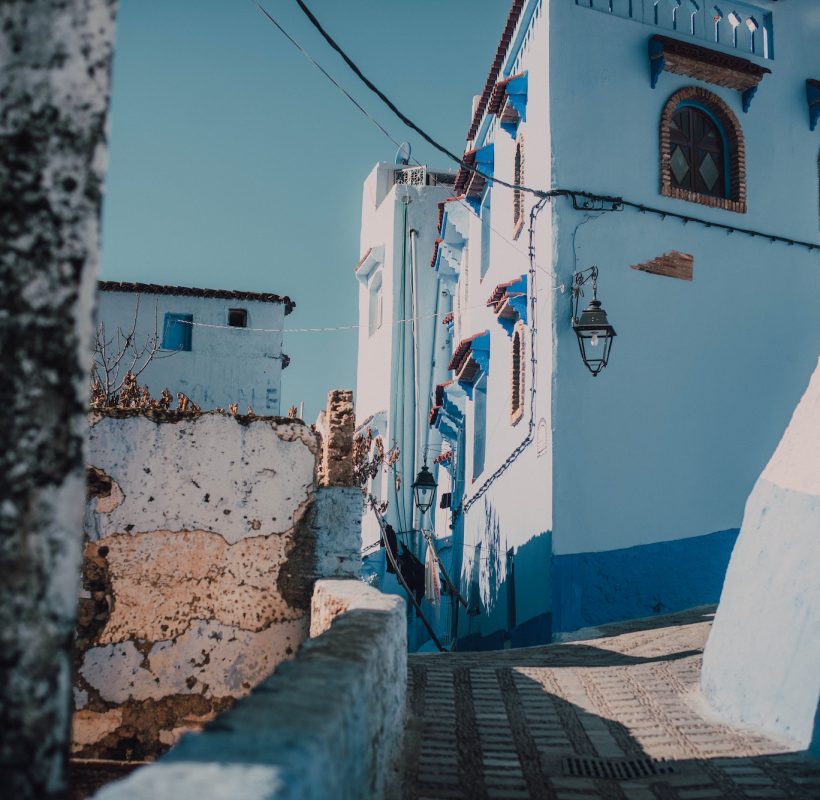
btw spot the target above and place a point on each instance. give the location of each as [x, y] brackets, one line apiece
[614, 717]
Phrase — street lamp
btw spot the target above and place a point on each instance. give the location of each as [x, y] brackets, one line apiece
[424, 489]
[592, 328]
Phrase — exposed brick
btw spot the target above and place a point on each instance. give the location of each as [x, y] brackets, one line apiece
[673, 265]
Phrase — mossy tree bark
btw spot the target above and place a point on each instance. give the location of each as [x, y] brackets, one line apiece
[54, 89]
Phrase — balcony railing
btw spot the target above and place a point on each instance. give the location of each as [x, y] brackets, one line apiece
[743, 27]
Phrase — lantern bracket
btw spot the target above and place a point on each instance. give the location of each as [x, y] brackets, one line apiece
[578, 281]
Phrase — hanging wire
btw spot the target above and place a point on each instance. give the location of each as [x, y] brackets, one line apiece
[582, 200]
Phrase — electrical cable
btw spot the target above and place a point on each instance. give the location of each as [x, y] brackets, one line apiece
[324, 72]
[392, 106]
[616, 203]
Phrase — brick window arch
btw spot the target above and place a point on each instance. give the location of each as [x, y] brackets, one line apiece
[703, 157]
[518, 180]
[518, 373]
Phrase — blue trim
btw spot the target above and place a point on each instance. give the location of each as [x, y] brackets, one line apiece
[480, 353]
[516, 93]
[747, 97]
[517, 303]
[657, 63]
[177, 332]
[523, 28]
[659, 578]
[813, 99]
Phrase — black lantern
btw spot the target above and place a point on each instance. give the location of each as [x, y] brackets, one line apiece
[592, 328]
[424, 488]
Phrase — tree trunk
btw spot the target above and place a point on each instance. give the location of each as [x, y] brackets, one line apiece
[54, 87]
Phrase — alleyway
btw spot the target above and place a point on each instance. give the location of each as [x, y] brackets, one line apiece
[587, 719]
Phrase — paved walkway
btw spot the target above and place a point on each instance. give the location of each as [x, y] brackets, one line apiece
[587, 719]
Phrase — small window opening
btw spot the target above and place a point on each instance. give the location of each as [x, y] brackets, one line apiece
[517, 386]
[237, 318]
[518, 180]
[177, 331]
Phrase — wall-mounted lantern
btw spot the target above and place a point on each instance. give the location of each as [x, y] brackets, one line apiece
[424, 489]
[592, 327]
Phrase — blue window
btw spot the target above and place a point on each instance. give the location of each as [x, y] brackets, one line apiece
[176, 331]
[479, 425]
[485, 233]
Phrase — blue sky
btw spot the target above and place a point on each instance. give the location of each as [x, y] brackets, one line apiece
[234, 163]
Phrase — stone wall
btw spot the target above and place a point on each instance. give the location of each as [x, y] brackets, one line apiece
[204, 534]
[761, 666]
[328, 724]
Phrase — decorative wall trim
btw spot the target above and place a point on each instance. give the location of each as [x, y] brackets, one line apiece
[509, 302]
[671, 265]
[509, 102]
[704, 64]
[737, 151]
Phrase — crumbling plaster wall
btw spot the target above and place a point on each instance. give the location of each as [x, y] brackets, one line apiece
[328, 724]
[200, 556]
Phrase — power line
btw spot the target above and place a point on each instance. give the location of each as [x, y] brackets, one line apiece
[324, 72]
[403, 117]
[615, 203]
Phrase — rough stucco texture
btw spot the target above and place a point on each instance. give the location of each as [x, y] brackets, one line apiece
[762, 661]
[327, 724]
[200, 558]
[54, 89]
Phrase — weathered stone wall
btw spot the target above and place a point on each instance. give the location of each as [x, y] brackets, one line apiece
[54, 89]
[328, 724]
[337, 439]
[201, 537]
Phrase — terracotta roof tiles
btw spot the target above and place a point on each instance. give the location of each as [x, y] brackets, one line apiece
[191, 291]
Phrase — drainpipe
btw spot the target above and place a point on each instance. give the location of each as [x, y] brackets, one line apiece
[414, 329]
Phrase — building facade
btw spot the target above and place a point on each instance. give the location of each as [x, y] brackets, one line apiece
[217, 347]
[673, 147]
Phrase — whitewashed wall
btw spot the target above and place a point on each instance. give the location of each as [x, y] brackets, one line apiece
[762, 660]
[201, 542]
[224, 366]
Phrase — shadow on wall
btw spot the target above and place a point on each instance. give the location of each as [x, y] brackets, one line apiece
[509, 611]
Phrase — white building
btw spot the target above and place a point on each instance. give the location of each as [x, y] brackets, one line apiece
[216, 346]
[677, 143]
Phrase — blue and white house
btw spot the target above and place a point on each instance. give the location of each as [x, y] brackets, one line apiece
[673, 146]
[217, 346]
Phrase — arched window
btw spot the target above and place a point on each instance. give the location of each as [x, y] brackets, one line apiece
[518, 180]
[518, 374]
[702, 151]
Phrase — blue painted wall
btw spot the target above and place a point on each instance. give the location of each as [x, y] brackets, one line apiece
[667, 442]
[594, 588]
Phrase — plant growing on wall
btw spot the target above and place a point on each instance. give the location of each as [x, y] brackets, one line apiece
[119, 359]
[370, 458]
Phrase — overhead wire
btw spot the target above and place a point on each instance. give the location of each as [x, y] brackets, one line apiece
[617, 203]
[324, 72]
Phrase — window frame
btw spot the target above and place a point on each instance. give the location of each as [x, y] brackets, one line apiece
[734, 150]
[518, 180]
[517, 374]
[243, 312]
[175, 319]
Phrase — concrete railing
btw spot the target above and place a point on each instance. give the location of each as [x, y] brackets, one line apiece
[327, 724]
